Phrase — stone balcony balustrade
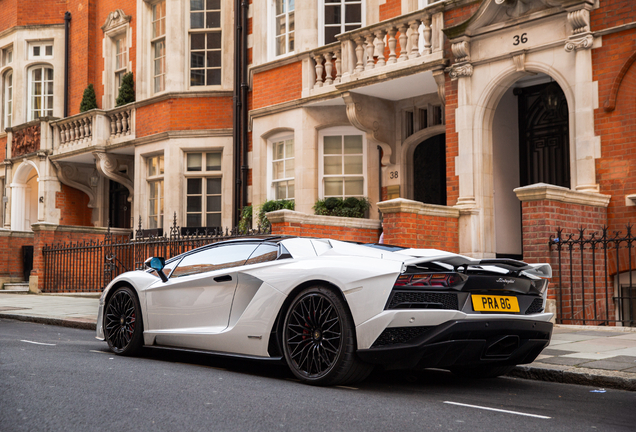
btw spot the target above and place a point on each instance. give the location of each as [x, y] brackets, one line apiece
[390, 48]
[94, 128]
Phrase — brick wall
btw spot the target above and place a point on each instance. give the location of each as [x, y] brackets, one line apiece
[417, 225]
[277, 85]
[540, 220]
[73, 205]
[11, 266]
[184, 114]
[9, 15]
[32, 12]
[390, 9]
[3, 148]
[288, 222]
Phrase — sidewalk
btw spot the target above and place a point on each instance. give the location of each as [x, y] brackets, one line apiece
[603, 357]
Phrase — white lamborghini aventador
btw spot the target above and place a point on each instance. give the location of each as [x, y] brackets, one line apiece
[332, 310]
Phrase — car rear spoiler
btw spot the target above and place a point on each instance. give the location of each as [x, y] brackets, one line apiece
[513, 267]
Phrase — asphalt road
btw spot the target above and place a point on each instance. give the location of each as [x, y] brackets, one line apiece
[59, 379]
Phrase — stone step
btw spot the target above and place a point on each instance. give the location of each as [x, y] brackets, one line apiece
[15, 287]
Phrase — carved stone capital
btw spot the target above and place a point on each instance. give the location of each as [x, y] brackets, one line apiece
[440, 80]
[461, 51]
[459, 71]
[520, 61]
[78, 176]
[109, 165]
[579, 20]
[584, 42]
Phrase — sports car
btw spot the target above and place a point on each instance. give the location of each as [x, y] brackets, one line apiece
[333, 310]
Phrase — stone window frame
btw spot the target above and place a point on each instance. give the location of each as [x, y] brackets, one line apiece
[321, 18]
[7, 113]
[30, 109]
[203, 175]
[420, 117]
[271, 142]
[7, 52]
[271, 30]
[158, 178]
[41, 48]
[117, 26]
[342, 130]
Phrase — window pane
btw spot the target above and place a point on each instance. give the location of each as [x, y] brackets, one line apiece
[280, 45]
[263, 253]
[214, 40]
[333, 165]
[193, 204]
[281, 27]
[197, 59]
[194, 186]
[197, 41]
[194, 162]
[289, 168]
[196, 20]
[353, 144]
[333, 14]
[216, 258]
[353, 13]
[48, 50]
[152, 167]
[213, 19]
[333, 144]
[279, 170]
[281, 191]
[196, 5]
[213, 161]
[214, 186]
[160, 164]
[197, 77]
[213, 220]
[213, 4]
[289, 148]
[330, 34]
[214, 77]
[36, 51]
[213, 203]
[353, 164]
[291, 22]
[280, 6]
[354, 187]
[193, 220]
[290, 189]
[214, 59]
[333, 186]
[37, 74]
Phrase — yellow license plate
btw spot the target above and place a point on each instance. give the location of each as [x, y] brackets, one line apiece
[487, 303]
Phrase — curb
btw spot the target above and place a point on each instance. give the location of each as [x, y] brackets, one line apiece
[73, 323]
[580, 376]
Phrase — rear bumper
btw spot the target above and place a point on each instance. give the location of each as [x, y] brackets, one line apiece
[466, 343]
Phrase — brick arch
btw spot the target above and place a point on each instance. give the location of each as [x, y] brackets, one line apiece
[610, 103]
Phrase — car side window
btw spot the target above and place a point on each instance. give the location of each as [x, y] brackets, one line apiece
[215, 258]
[263, 253]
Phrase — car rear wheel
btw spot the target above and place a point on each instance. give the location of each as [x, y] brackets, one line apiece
[319, 341]
[486, 371]
[123, 327]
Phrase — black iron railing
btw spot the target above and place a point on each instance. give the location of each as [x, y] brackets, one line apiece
[88, 266]
[593, 277]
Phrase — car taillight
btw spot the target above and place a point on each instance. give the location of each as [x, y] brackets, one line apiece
[430, 280]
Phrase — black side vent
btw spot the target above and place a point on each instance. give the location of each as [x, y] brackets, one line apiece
[399, 335]
[535, 307]
[422, 300]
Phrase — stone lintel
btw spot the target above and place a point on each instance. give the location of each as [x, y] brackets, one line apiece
[291, 216]
[10, 233]
[402, 205]
[543, 191]
[45, 226]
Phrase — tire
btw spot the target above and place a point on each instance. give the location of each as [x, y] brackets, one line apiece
[486, 371]
[318, 339]
[123, 326]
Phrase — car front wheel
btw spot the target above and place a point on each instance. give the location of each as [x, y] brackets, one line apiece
[123, 327]
[319, 341]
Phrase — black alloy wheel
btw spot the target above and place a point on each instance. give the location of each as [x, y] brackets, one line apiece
[123, 328]
[319, 341]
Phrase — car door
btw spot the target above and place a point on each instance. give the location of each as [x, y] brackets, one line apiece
[197, 298]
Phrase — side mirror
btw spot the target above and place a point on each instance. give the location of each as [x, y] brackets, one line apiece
[157, 264]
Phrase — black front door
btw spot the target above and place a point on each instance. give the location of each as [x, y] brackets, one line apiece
[543, 135]
[429, 171]
[119, 210]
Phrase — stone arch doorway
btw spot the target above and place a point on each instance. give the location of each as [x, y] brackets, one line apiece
[429, 170]
[24, 197]
[530, 145]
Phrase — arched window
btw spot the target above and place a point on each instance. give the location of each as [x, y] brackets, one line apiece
[7, 103]
[40, 92]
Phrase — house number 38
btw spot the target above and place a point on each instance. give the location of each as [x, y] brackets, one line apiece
[393, 174]
[520, 39]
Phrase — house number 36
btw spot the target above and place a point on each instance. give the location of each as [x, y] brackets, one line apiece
[520, 39]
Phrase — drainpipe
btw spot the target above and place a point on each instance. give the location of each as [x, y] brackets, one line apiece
[244, 89]
[67, 24]
[236, 114]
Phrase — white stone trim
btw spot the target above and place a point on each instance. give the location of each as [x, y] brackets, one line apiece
[401, 205]
[291, 216]
[543, 191]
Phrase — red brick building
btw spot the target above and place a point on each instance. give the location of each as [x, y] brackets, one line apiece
[478, 126]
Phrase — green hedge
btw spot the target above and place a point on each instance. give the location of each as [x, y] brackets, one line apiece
[350, 207]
